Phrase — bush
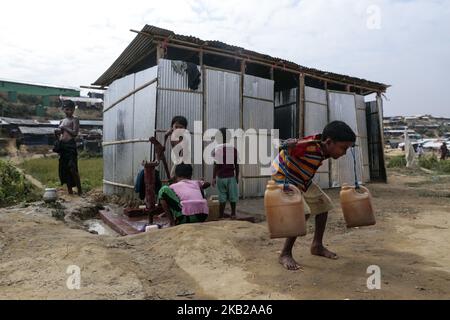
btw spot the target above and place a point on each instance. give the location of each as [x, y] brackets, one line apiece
[86, 185]
[18, 110]
[14, 187]
[397, 162]
[432, 163]
[444, 166]
[429, 162]
[29, 99]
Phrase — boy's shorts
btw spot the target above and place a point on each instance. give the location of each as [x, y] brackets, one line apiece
[228, 189]
[316, 200]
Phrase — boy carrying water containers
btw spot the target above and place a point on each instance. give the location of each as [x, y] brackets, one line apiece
[296, 164]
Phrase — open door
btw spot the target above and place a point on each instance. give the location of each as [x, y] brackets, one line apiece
[286, 118]
[377, 164]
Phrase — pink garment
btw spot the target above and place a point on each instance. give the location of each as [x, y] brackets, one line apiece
[191, 198]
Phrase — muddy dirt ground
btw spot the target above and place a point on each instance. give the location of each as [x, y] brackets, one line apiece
[234, 260]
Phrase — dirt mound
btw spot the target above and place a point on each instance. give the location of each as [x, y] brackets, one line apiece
[201, 261]
[216, 256]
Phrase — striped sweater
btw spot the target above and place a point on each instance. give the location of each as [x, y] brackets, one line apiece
[298, 164]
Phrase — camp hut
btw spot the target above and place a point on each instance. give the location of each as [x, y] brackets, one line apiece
[239, 89]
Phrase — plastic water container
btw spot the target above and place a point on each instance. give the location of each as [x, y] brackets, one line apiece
[214, 208]
[151, 228]
[284, 211]
[357, 206]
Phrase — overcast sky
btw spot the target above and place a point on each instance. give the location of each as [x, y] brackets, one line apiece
[404, 43]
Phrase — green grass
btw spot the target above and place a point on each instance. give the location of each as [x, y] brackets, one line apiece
[14, 187]
[46, 171]
[432, 163]
[397, 162]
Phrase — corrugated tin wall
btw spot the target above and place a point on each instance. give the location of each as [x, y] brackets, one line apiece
[316, 118]
[126, 125]
[342, 106]
[258, 113]
[223, 105]
[175, 98]
[375, 140]
[362, 136]
[149, 112]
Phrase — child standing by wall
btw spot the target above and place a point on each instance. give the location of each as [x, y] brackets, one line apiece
[226, 174]
[178, 123]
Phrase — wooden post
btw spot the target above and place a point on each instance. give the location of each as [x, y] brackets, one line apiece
[159, 52]
[330, 164]
[242, 94]
[379, 103]
[204, 118]
[150, 196]
[302, 105]
[241, 120]
[200, 57]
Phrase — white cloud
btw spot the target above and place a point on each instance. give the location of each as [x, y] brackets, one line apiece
[74, 42]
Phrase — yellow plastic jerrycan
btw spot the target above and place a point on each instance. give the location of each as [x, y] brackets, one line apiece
[357, 206]
[284, 211]
[214, 208]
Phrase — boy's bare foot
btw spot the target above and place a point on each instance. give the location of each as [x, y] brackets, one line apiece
[321, 251]
[289, 263]
[233, 217]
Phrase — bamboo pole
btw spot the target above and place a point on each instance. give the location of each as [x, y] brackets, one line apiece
[302, 105]
[241, 118]
[130, 94]
[118, 184]
[330, 164]
[111, 143]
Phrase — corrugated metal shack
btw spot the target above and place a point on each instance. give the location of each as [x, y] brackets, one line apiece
[239, 89]
[33, 132]
[37, 136]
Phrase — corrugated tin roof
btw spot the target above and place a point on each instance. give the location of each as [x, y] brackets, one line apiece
[143, 43]
[37, 130]
[82, 122]
[82, 99]
[37, 84]
[91, 123]
[19, 121]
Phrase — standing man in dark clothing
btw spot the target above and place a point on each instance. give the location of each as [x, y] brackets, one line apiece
[67, 148]
[444, 151]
